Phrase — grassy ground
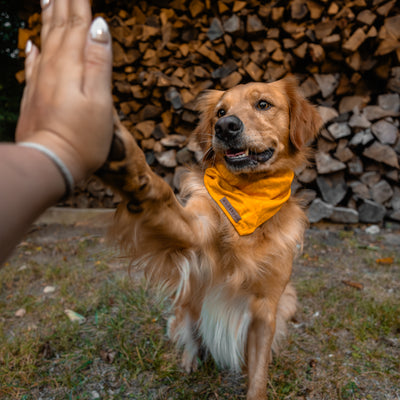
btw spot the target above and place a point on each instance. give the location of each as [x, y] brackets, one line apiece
[344, 343]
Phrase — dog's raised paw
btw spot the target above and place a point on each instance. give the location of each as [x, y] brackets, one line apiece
[117, 149]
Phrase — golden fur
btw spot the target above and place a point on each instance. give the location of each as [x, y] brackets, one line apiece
[231, 293]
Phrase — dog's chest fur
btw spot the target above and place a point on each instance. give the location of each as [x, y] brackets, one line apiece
[223, 326]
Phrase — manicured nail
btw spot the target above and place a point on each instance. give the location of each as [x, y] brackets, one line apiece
[28, 47]
[44, 3]
[99, 31]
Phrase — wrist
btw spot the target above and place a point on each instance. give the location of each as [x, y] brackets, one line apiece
[57, 162]
[29, 183]
[31, 172]
[63, 155]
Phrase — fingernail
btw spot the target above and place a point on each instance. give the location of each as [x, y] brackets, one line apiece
[28, 47]
[44, 3]
[99, 31]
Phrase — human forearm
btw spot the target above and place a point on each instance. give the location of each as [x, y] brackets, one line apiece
[29, 183]
[66, 116]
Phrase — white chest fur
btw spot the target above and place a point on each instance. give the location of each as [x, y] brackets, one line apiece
[223, 326]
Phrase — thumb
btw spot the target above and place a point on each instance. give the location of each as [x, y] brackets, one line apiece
[98, 60]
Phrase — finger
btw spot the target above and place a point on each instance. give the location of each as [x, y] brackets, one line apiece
[81, 9]
[31, 61]
[60, 13]
[98, 60]
[47, 12]
[74, 41]
[32, 53]
[56, 24]
[65, 48]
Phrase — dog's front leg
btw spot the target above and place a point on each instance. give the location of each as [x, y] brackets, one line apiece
[142, 191]
[259, 342]
[126, 169]
[150, 224]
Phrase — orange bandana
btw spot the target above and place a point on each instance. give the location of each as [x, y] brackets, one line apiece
[247, 204]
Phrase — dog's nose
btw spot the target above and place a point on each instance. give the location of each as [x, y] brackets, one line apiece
[228, 128]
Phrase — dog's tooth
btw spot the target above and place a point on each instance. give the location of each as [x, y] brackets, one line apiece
[246, 152]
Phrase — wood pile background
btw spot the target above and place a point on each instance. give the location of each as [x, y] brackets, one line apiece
[346, 55]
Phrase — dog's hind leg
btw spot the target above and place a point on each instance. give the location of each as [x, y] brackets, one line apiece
[182, 331]
[286, 309]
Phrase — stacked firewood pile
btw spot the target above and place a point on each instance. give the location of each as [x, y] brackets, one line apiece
[345, 54]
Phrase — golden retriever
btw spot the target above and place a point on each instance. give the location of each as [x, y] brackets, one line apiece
[226, 254]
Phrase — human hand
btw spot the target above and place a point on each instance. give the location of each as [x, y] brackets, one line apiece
[67, 102]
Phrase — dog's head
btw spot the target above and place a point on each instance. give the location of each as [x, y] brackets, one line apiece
[256, 127]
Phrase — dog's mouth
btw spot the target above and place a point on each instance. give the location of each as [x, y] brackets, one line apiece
[247, 158]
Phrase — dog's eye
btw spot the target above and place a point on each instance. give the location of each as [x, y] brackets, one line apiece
[221, 112]
[263, 105]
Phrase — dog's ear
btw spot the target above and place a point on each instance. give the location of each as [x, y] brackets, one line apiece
[305, 121]
[206, 104]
